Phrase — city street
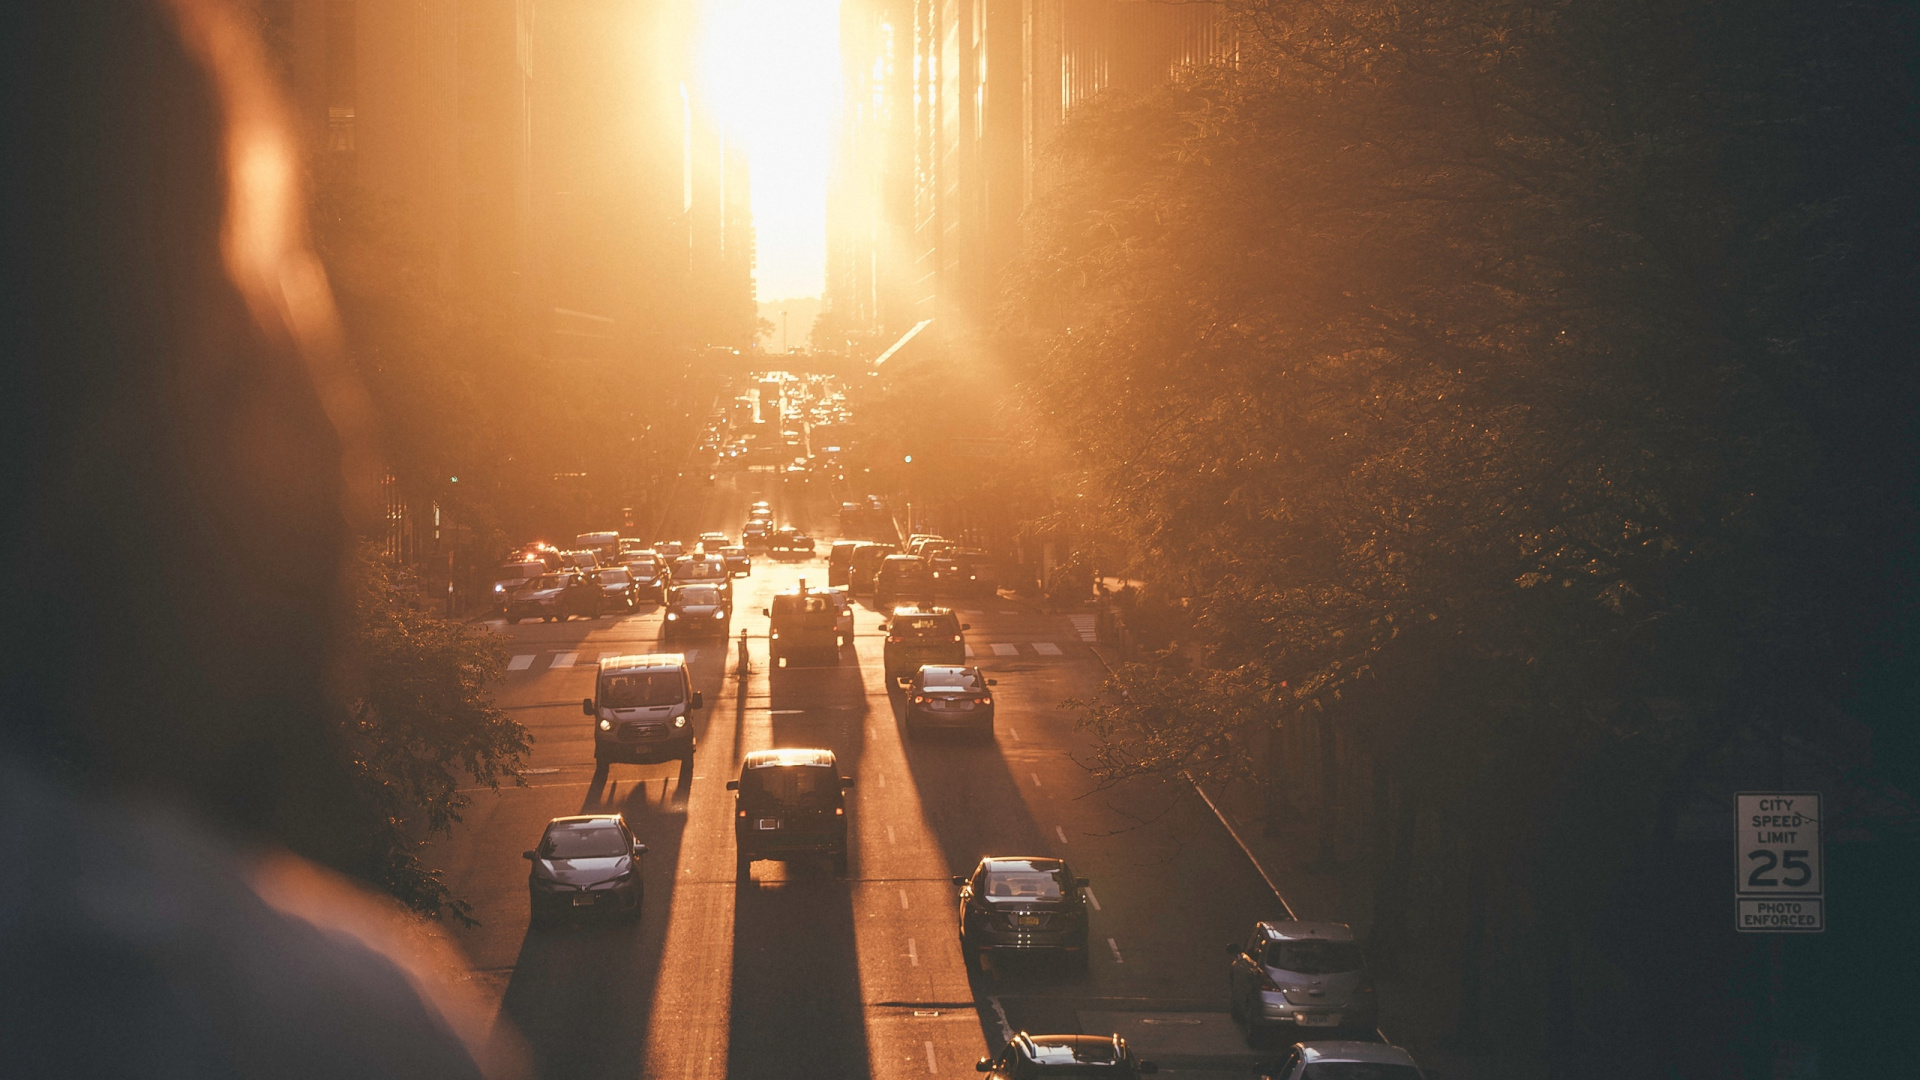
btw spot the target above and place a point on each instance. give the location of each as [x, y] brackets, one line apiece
[801, 973]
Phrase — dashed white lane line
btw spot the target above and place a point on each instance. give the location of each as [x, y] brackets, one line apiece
[1092, 899]
[787, 712]
[1046, 648]
[880, 779]
[889, 834]
[1001, 648]
[913, 953]
[1117, 958]
[564, 659]
[903, 899]
[520, 663]
[971, 611]
[932, 1066]
[1036, 779]
[1061, 833]
[1011, 732]
[1009, 613]
[970, 652]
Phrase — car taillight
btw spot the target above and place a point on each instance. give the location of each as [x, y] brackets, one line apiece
[839, 811]
[983, 701]
[892, 640]
[742, 813]
[919, 699]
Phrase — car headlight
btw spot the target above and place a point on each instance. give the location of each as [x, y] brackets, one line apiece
[672, 615]
[606, 725]
[721, 614]
[680, 721]
[499, 588]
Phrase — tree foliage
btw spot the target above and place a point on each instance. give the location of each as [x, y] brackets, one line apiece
[421, 724]
[1523, 385]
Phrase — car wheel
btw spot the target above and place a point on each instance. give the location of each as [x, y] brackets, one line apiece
[639, 902]
[513, 620]
[970, 956]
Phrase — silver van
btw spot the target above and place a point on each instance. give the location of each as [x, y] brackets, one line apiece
[642, 710]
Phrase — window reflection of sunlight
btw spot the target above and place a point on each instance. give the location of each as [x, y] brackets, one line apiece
[770, 78]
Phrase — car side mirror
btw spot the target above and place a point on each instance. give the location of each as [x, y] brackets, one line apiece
[983, 1065]
[993, 682]
[960, 880]
[768, 612]
[846, 782]
[699, 701]
[529, 854]
[639, 848]
[1081, 883]
[733, 785]
[966, 626]
[586, 706]
[1148, 1068]
[885, 629]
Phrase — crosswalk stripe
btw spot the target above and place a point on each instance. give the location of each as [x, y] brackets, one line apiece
[1083, 625]
[1046, 648]
[520, 663]
[1003, 649]
[564, 659]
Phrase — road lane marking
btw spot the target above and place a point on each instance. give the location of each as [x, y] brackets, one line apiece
[1083, 625]
[1061, 833]
[1092, 899]
[1009, 613]
[1036, 779]
[903, 899]
[965, 611]
[880, 779]
[1117, 958]
[1000, 1014]
[787, 712]
[1046, 648]
[913, 953]
[1011, 731]
[931, 1067]
[970, 652]
[889, 834]
[564, 659]
[1004, 649]
[520, 663]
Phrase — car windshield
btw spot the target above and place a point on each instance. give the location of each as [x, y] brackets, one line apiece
[1313, 957]
[701, 595]
[521, 570]
[950, 679]
[923, 626]
[790, 785]
[584, 842]
[613, 577]
[1360, 1070]
[1028, 884]
[642, 689]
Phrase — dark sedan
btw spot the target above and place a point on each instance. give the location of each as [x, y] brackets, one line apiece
[1013, 904]
[618, 589]
[943, 696]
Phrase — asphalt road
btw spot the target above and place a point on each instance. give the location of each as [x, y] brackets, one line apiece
[803, 974]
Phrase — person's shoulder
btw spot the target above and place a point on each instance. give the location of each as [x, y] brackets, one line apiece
[137, 941]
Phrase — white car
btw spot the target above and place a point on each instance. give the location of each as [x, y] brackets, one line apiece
[1344, 1061]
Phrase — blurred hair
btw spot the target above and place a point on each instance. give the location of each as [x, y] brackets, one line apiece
[172, 483]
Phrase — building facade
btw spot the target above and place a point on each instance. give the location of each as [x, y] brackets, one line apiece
[949, 107]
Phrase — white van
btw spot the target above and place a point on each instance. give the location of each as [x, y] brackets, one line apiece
[642, 710]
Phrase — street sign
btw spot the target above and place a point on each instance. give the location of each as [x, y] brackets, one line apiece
[1779, 885]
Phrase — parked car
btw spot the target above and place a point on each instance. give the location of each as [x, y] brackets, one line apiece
[1298, 976]
[1035, 1057]
[1020, 904]
[1336, 1060]
[555, 597]
[642, 710]
[949, 696]
[790, 803]
[697, 609]
[589, 863]
[902, 577]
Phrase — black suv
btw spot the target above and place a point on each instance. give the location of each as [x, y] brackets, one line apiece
[917, 636]
[791, 803]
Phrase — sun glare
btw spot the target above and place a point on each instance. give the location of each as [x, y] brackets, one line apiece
[770, 78]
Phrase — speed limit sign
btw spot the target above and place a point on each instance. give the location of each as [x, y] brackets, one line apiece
[1778, 883]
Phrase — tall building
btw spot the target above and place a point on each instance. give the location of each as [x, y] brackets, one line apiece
[949, 105]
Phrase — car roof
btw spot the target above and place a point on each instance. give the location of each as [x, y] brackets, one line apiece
[1290, 930]
[1021, 862]
[917, 610]
[1075, 1049]
[770, 759]
[1346, 1050]
[949, 669]
[643, 662]
[587, 819]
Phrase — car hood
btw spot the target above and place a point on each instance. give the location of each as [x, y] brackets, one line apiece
[696, 609]
[644, 712]
[582, 871]
[537, 594]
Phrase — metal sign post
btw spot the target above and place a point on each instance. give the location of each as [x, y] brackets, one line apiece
[1779, 879]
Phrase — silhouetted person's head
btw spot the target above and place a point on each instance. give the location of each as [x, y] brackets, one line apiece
[171, 482]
